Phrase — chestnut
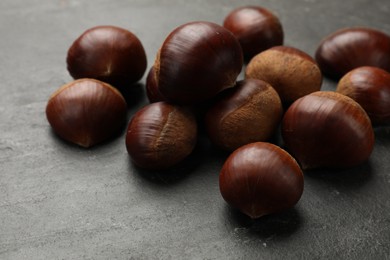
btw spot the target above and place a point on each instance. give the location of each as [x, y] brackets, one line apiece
[256, 28]
[196, 61]
[247, 113]
[160, 135]
[327, 129]
[261, 178]
[370, 87]
[86, 112]
[152, 92]
[349, 48]
[292, 72]
[107, 53]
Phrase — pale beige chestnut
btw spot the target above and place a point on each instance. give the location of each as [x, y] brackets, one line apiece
[292, 72]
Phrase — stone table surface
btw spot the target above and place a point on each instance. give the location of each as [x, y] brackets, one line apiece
[59, 201]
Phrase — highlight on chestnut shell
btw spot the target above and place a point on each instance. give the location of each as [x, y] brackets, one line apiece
[327, 130]
[86, 112]
[249, 112]
[370, 87]
[256, 28]
[107, 53]
[161, 135]
[350, 48]
[196, 61]
[260, 179]
[292, 72]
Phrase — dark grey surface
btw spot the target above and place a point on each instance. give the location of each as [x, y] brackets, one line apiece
[58, 201]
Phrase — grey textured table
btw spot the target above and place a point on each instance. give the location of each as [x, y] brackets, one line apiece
[58, 201]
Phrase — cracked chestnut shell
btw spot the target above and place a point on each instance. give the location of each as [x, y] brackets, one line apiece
[349, 48]
[161, 135]
[249, 112]
[196, 61]
[292, 72]
[107, 53]
[86, 112]
[256, 28]
[327, 129]
[370, 87]
[261, 178]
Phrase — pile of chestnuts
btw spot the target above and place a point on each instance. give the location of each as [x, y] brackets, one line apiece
[193, 89]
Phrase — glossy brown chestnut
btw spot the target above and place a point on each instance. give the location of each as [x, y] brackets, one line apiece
[260, 179]
[107, 53]
[350, 48]
[86, 112]
[151, 87]
[249, 112]
[256, 28]
[196, 61]
[327, 129]
[160, 135]
[290, 71]
[370, 87]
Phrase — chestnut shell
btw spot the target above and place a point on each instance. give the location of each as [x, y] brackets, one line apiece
[86, 112]
[370, 87]
[256, 28]
[327, 129]
[290, 71]
[196, 61]
[107, 53]
[349, 48]
[160, 135]
[151, 87]
[249, 112]
[260, 179]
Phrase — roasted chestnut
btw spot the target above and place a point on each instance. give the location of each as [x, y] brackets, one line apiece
[290, 71]
[161, 135]
[86, 112]
[327, 129]
[196, 61]
[261, 178]
[370, 87]
[107, 53]
[349, 48]
[249, 112]
[256, 28]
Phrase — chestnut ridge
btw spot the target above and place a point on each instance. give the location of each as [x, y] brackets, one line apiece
[148, 147]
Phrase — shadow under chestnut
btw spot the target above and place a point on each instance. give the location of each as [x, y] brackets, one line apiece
[281, 225]
[175, 174]
[134, 95]
[60, 142]
[344, 179]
